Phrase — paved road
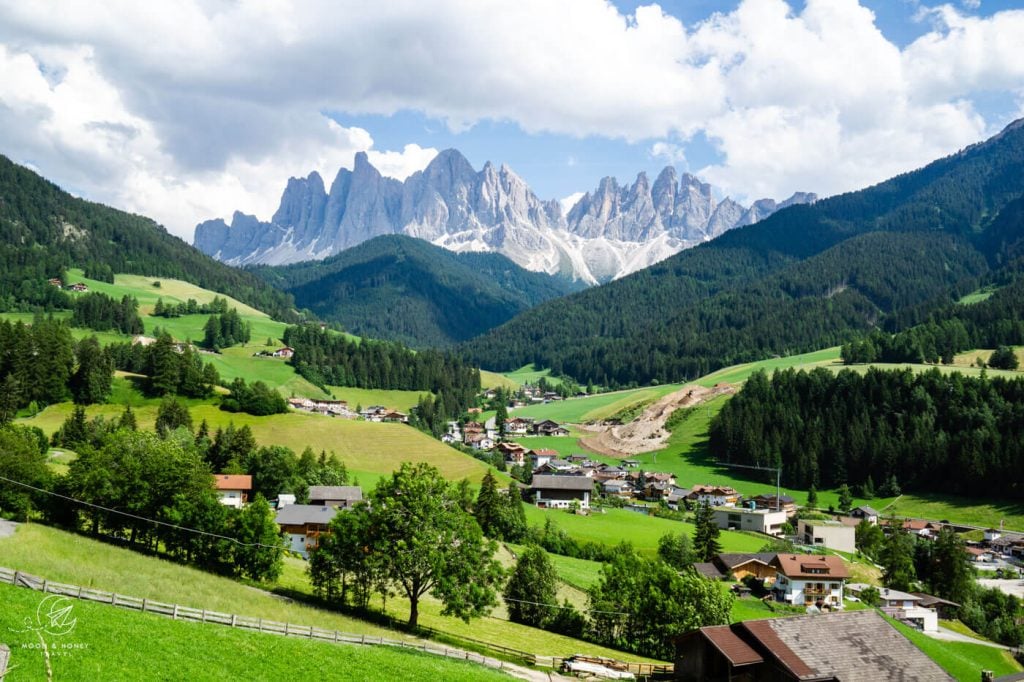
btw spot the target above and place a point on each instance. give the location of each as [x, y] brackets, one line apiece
[1013, 586]
[7, 528]
[950, 636]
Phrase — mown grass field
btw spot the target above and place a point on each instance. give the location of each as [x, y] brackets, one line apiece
[620, 525]
[960, 510]
[398, 400]
[495, 380]
[108, 643]
[528, 374]
[369, 450]
[961, 660]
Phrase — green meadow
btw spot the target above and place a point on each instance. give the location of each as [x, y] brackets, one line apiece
[109, 643]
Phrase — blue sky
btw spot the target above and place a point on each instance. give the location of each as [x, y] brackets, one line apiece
[191, 110]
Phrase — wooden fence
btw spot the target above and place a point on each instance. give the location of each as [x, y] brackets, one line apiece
[187, 613]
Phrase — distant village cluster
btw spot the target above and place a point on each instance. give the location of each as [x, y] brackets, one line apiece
[340, 408]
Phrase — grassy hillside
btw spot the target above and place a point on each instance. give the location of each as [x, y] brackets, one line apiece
[113, 644]
[368, 449]
[961, 660]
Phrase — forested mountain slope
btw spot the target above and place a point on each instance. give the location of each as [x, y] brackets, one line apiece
[806, 277]
[44, 230]
[406, 289]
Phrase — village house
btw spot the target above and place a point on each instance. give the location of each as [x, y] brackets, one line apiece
[714, 495]
[608, 472]
[979, 554]
[331, 408]
[513, 453]
[865, 513]
[764, 521]
[337, 496]
[656, 490]
[140, 340]
[810, 579]
[827, 533]
[540, 457]
[559, 492]
[517, 426]
[776, 503]
[946, 609]
[740, 567]
[55, 282]
[395, 417]
[303, 524]
[374, 413]
[479, 441]
[233, 489]
[549, 428]
[79, 287]
[285, 352]
[617, 487]
[903, 606]
[558, 466]
[630, 463]
[676, 497]
[834, 647]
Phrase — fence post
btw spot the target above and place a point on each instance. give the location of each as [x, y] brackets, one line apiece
[233, 619]
[45, 585]
[261, 624]
[203, 616]
[286, 629]
[174, 616]
[144, 605]
[79, 591]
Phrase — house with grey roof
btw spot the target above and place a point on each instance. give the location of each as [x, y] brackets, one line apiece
[855, 646]
[339, 496]
[559, 492]
[303, 524]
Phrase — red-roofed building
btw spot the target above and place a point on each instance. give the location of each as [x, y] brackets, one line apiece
[233, 489]
[542, 456]
[811, 579]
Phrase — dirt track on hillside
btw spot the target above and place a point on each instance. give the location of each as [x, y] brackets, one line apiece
[647, 432]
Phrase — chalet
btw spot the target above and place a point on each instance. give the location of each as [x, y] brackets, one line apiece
[991, 534]
[374, 413]
[517, 426]
[474, 410]
[979, 554]
[559, 492]
[608, 472]
[283, 500]
[303, 524]
[514, 453]
[449, 439]
[396, 417]
[79, 287]
[233, 489]
[714, 495]
[831, 534]
[676, 497]
[947, 610]
[809, 579]
[549, 428]
[140, 340]
[55, 282]
[630, 463]
[741, 566]
[582, 460]
[285, 352]
[857, 645]
[765, 521]
[332, 408]
[617, 487]
[479, 441]
[542, 456]
[472, 427]
[776, 503]
[655, 490]
[337, 496]
[865, 513]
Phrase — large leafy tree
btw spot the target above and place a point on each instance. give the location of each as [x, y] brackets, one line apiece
[21, 459]
[429, 544]
[532, 590]
[676, 550]
[641, 605]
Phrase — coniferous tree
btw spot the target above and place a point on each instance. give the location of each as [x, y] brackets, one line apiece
[515, 514]
[706, 545]
[812, 497]
[531, 594]
[897, 558]
[845, 498]
[172, 414]
[92, 379]
[490, 509]
[127, 420]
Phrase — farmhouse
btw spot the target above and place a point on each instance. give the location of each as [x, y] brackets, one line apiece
[549, 428]
[337, 496]
[517, 426]
[901, 606]
[394, 416]
[831, 534]
[759, 566]
[514, 453]
[79, 286]
[285, 352]
[865, 513]
[303, 524]
[55, 282]
[559, 492]
[806, 579]
[233, 489]
[858, 645]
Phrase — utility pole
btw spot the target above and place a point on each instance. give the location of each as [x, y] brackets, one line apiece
[778, 478]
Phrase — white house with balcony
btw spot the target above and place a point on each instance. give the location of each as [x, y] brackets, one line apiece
[810, 580]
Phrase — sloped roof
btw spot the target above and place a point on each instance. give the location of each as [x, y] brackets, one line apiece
[855, 646]
[562, 483]
[302, 514]
[807, 565]
[545, 452]
[730, 645]
[352, 493]
[232, 481]
[733, 560]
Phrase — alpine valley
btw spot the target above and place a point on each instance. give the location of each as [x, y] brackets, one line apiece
[608, 233]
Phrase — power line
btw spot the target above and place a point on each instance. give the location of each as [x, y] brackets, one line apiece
[140, 518]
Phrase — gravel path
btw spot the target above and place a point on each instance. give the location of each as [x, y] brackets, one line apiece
[949, 636]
